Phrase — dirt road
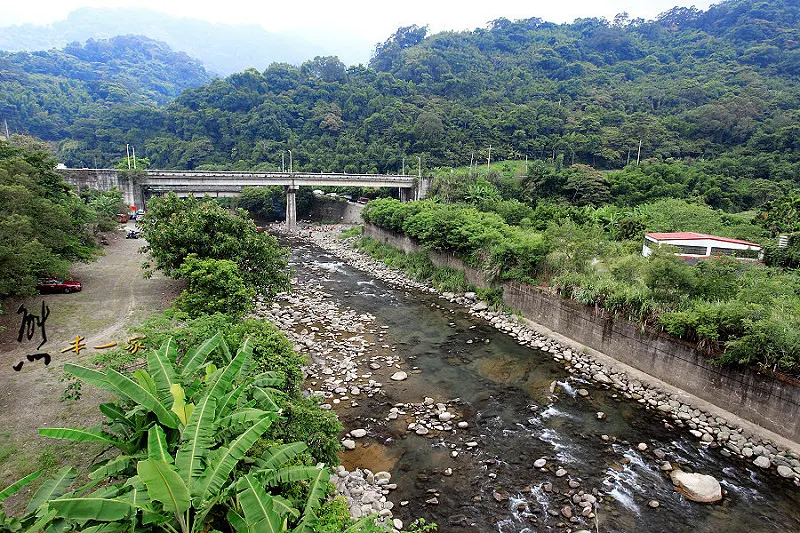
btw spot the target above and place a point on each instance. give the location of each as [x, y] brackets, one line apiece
[115, 296]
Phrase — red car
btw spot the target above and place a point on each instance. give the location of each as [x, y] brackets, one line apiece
[58, 285]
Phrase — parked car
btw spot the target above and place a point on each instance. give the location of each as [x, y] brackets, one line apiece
[363, 200]
[58, 285]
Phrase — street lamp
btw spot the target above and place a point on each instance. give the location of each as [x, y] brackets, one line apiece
[290, 161]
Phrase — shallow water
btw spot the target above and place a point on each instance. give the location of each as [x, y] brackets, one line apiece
[504, 391]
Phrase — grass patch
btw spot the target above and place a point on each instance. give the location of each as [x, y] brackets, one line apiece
[355, 231]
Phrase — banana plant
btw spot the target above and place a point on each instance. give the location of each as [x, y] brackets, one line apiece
[185, 428]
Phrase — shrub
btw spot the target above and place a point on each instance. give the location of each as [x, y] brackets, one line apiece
[213, 286]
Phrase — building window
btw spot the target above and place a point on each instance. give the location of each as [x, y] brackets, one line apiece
[693, 250]
[722, 251]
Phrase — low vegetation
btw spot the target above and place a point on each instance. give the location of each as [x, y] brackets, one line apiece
[738, 312]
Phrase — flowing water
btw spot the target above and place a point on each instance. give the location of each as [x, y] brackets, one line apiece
[517, 416]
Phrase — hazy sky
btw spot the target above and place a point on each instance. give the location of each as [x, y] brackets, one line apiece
[369, 19]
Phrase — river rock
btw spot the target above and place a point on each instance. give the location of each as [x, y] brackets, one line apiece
[349, 444]
[358, 433]
[397, 523]
[697, 487]
[762, 462]
[539, 463]
[785, 471]
[399, 376]
[444, 417]
[601, 377]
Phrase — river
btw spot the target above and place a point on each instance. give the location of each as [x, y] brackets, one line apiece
[521, 406]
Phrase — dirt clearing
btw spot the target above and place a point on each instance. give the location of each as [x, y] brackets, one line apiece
[115, 296]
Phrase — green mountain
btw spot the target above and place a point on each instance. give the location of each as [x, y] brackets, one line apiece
[49, 93]
[717, 90]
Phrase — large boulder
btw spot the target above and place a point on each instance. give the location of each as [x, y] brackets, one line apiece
[697, 487]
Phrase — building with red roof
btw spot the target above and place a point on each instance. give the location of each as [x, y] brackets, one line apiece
[695, 246]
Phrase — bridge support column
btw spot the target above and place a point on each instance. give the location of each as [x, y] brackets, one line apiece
[291, 207]
[406, 195]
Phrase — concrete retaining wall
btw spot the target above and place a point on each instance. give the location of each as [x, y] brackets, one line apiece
[768, 401]
[335, 211]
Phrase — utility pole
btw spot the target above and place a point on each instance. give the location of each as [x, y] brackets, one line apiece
[639, 154]
[5, 122]
[128, 154]
[489, 159]
[283, 161]
[404, 166]
[290, 161]
[526, 164]
[471, 159]
[419, 167]
[134, 157]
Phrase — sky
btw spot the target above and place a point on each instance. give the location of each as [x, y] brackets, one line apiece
[374, 20]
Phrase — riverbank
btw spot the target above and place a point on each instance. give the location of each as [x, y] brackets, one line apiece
[713, 427]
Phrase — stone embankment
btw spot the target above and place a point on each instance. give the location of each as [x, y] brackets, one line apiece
[712, 431]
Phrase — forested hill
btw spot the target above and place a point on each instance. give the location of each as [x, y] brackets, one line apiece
[720, 87]
[49, 93]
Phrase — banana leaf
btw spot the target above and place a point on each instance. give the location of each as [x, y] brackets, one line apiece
[83, 435]
[102, 509]
[140, 395]
[159, 362]
[225, 459]
[52, 488]
[14, 487]
[196, 357]
[164, 485]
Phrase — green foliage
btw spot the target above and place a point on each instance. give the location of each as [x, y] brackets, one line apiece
[43, 226]
[263, 203]
[355, 231]
[175, 228]
[272, 351]
[728, 307]
[214, 286]
[182, 467]
[92, 89]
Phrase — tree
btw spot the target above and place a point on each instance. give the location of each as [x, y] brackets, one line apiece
[43, 225]
[175, 228]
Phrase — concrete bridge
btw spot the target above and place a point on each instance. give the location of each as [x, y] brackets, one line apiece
[138, 187]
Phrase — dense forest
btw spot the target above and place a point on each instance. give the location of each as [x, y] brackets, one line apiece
[56, 94]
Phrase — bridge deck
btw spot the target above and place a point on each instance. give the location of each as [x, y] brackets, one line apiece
[188, 179]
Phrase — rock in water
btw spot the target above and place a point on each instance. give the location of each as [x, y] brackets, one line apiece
[697, 487]
[399, 376]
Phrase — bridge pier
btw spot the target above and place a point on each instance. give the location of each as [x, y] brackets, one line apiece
[406, 194]
[291, 207]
